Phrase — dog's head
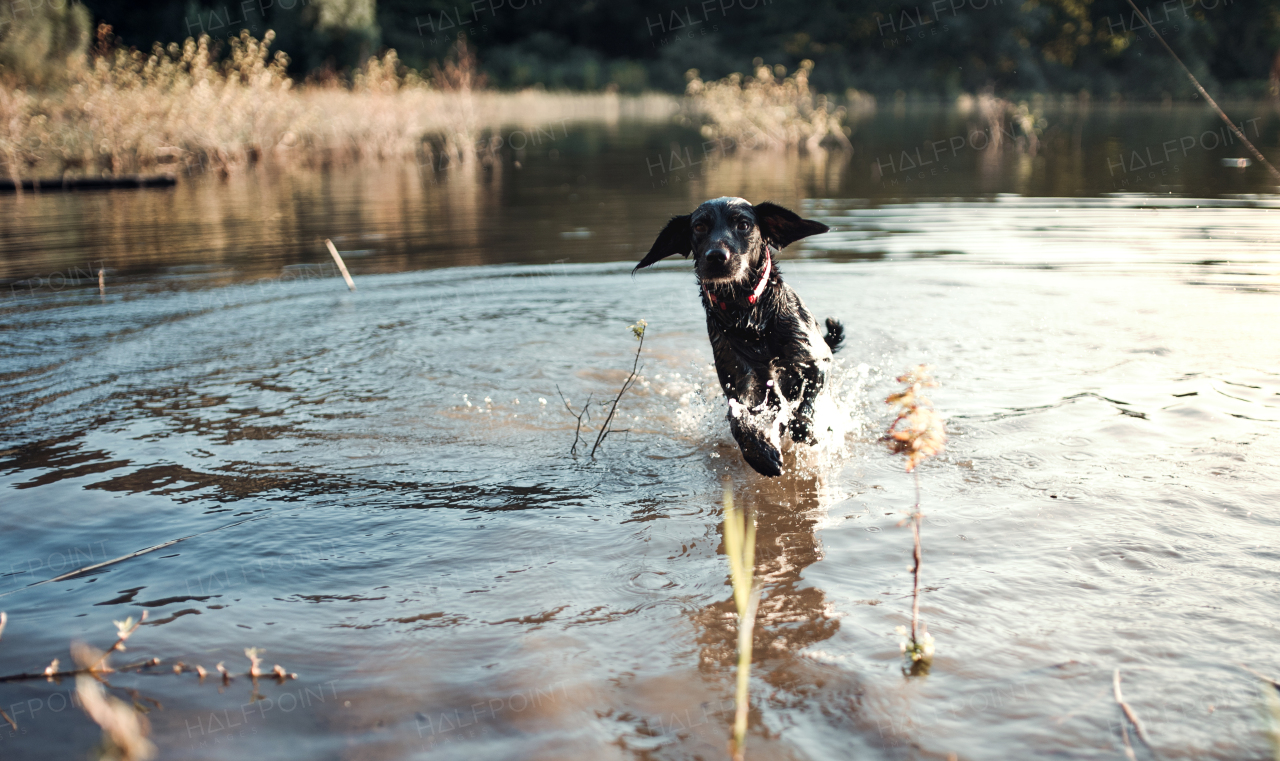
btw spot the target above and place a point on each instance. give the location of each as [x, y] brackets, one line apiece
[727, 237]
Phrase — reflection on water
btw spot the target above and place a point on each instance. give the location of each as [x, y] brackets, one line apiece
[376, 487]
[1226, 242]
[596, 193]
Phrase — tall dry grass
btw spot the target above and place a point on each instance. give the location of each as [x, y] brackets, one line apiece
[188, 106]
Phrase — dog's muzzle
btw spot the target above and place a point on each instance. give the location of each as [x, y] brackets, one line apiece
[718, 256]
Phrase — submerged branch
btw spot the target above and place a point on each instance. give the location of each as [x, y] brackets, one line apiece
[93, 662]
[577, 432]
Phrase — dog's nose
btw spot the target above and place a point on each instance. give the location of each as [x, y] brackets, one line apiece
[718, 255]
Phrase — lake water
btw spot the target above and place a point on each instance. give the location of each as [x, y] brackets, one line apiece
[376, 487]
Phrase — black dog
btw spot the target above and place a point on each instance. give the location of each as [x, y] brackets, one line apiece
[771, 357]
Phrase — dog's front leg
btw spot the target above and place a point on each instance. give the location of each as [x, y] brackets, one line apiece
[753, 412]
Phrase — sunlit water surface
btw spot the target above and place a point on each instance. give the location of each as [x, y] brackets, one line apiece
[376, 487]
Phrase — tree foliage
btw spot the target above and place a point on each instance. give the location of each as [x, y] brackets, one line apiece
[933, 47]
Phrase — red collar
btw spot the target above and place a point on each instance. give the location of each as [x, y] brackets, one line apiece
[755, 295]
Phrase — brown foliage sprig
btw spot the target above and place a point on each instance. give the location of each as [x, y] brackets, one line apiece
[918, 432]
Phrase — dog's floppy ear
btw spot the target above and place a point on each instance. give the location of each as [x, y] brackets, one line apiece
[782, 227]
[675, 238]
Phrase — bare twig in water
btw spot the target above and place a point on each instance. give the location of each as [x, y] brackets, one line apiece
[922, 435]
[9, 719]
[573, 450]
[1263, 677]
[96, 566]
[638, 330]
[740, 546]
[1238, 132]
[98, 667]
[124, 629]
[342, 266]
[1131, 716]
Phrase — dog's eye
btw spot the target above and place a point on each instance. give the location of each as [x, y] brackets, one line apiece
[700, 228]
[744, 225]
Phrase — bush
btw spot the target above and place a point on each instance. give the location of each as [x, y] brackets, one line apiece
[769, 110]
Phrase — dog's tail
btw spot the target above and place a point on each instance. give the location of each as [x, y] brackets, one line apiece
[835, 334]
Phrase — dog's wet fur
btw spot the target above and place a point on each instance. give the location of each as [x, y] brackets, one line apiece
[771, 357]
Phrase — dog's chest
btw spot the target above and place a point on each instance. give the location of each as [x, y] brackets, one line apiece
[747, 335]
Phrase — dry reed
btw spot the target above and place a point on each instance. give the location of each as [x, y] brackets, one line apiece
[1271, 704]
[124, 727]
[342, 266]
[740, 546]
[1205, 93]
[1271, 709]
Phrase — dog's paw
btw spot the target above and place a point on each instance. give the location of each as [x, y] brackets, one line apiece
[802, 432]
[757, 435]
[765, 461]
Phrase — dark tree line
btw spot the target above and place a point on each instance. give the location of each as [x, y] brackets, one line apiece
[917, 47]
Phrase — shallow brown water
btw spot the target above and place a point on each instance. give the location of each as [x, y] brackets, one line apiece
[376, 494]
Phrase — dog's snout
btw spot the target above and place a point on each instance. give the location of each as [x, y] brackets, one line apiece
[718, 255]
